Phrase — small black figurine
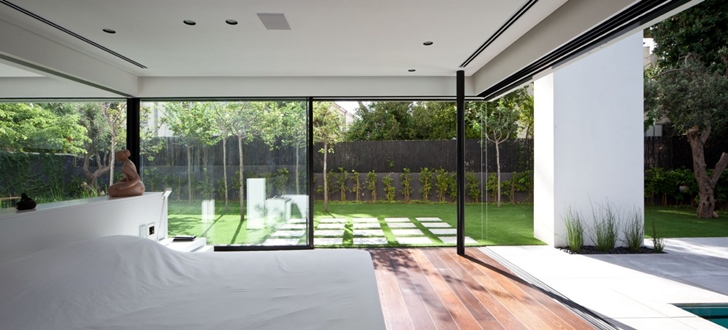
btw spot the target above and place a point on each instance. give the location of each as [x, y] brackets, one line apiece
[26, 203]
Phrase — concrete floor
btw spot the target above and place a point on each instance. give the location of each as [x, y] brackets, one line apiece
[635, 291]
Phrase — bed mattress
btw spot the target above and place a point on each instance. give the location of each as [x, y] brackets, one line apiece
[126, 282]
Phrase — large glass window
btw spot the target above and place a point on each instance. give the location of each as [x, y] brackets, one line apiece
[237, 169]
[55, 151]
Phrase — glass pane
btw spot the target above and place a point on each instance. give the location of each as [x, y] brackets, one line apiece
[237, 170]
[55, 151]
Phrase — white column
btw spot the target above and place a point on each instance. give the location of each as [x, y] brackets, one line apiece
[589, 137]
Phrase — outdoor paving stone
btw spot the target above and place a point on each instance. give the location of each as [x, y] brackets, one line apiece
[401, 225]
[453, 240]
[295, 220]
[425, 219]
[364, 220]
[436, 224]
[328, 233]
[293, 226]
[396, 219]
[328, 241]
[337, 220]
[366, 225]
[414, 240]
[331, 226]
[368, 232]
[363, 241]
[407, 232]
[281, 241]
[444, 231]
[288, 233]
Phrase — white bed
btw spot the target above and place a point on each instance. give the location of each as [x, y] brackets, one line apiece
[126, 282]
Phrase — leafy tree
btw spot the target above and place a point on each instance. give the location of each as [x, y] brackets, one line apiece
[695, 98]
[31, 127]
[327, 125]
[192, 123]
[287, 123]
[106, 125]
[500, 120]
[702, 30]
[438, 121]
[382, 121]
[241, 120]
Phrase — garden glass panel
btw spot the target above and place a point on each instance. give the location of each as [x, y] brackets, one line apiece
[55, 151]
[237, 169]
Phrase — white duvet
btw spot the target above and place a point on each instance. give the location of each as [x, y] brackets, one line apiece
[125, 282]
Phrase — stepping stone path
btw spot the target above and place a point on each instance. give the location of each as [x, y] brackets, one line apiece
[367, 231]
[414, 240]
[370, 241]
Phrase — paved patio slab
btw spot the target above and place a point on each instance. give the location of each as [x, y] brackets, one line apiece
[370, 241]
[293, 226]
[329, 220]
[368, 232]
[396, 219]
[401, 225]
[426, 219]
[296, 220]
[407, 232]
[331, 226]
[414, 240]
[444, 231]
[328, 241]
[364, 220]
[281, 241]
[328, 233]
[436, 224]
[367, 225]
[635, 291]
[289, 233]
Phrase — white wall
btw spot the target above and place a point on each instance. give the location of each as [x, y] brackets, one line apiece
[589, 137]
[50, 224]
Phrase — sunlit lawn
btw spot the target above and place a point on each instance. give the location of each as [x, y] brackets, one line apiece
[682, 222]
[489, 225]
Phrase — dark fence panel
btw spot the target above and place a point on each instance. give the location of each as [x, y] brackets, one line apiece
[671, 152]
[393, 156]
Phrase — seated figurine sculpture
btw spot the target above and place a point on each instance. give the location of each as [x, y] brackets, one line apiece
[130, 184]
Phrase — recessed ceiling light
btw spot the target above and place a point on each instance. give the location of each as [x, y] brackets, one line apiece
[411, 70]
[189, 22]
[231, 21]
[427, 43]
[110, 31]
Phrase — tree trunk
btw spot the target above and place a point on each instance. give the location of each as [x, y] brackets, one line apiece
[224, 171]
[298, 190]
[497, 168]
[326, 184]
[240, 177]
[112, 159]
[189, 174]
[706, 185]
[100, 169]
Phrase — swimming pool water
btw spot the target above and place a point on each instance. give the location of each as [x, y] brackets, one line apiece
[716, 313]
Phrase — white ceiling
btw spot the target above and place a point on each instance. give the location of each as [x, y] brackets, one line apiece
[7, 71]
[335, 48]
[327, 37]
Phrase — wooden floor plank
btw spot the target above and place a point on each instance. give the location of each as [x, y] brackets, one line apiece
[459, 312]
[394, 309]
[498, 317]
[421, 319]
[437, 289]
[553, 313]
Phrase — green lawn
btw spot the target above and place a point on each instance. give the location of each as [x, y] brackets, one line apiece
[682, 222]
[487, 224]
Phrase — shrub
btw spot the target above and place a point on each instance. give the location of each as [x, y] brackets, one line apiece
[658, 242]
[280, 180]
[406, 181]
[574, 229]
[341, 180]
[473, 185]
[604, 234]
[426, 181]
[442, 183]
[330, 178]
[389, 189]
[372, 184]
[356, 189]
[634, 230]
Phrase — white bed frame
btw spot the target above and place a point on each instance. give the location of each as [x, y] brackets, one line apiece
[51, 224]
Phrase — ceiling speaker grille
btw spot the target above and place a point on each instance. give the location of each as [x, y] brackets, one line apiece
[71, 33]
